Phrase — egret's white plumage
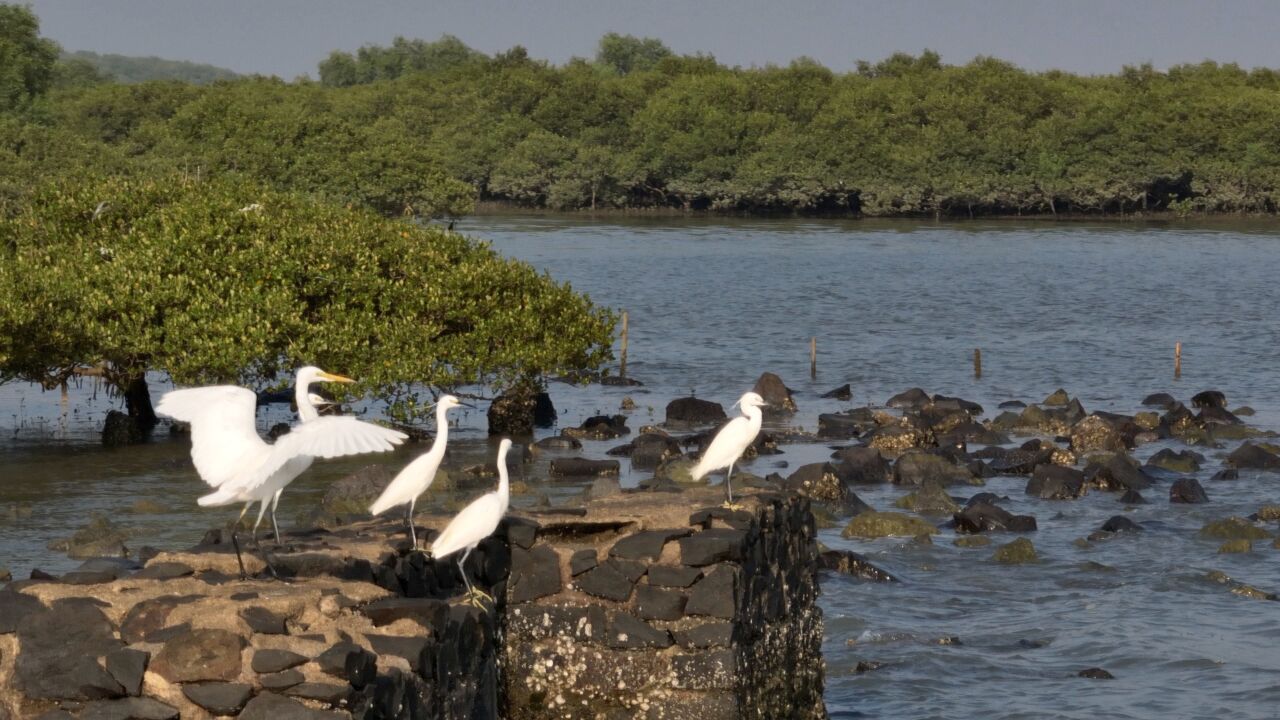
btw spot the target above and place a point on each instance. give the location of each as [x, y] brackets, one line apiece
[418, 475]
[732, 440]
[232, 458]
[477, 520]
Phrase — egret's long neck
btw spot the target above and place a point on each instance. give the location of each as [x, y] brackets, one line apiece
[754, 416]
[504, 485]
[301, 396]
[442, 432]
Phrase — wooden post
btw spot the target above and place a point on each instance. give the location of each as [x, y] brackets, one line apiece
[977, 363]
[813, 358]
[1177, 360]
[622, 371]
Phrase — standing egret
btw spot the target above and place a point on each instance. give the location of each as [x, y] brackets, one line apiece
[418, 475]
[230, 455]
[732, 440]
[476, 522]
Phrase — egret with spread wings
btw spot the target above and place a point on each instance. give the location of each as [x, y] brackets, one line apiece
[230, 456]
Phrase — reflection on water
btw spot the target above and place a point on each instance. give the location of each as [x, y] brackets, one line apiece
[1092, 308]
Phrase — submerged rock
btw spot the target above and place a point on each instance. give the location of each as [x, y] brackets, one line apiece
[1239, 545]
[1233, 528]
[981, 517]
[98, 538]
[971, 541]
[1253, 457]
[1209, 399]
[1119, 524]
[1016, 552]
[918, 468]
[846, 562]
[1184, 461]
[600, 427]
[929, 499]
[1187, 490]
[1095, 674]
[912, 399]
[689, 411]
[887, 524]
[844, 392]
[863, 465]
[1164, 400]
[1054, 482]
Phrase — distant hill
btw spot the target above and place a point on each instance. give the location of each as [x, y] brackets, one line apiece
[127, 69]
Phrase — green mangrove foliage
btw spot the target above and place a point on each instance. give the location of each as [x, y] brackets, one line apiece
[426, 128]
[225, 281]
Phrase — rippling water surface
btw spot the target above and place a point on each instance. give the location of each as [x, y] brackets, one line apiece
[712, 303]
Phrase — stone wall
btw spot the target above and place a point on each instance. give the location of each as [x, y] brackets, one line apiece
[658, 605]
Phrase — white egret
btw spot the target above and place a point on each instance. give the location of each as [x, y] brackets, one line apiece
[732, 440]
[230, 455]
[476, 522]
[418, 475]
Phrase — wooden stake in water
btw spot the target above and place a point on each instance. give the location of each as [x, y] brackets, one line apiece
[813, 358]
[622, 371]
[977, 362]
[1177, 360]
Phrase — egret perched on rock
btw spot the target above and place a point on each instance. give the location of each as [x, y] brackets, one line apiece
[230, 455]
[418, 475]
[476, 522]
[732, 440]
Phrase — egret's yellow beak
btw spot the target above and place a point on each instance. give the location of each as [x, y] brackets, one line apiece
[335, 378]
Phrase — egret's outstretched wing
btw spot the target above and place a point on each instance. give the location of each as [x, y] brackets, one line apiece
[224, 435]
[726, 447]
[476, 522]
[324, 437]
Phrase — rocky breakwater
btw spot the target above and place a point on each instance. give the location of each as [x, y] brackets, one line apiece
[667, 605]
[652, 604]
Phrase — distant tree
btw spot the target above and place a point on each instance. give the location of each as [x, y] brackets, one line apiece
[129, 69]
[372, 63]
[628, 54]
[26, 59]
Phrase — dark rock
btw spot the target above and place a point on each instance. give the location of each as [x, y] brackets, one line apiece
[262, 620]
[1012, 405]
[1226, 474]
[653, 603]
[981, 517]
[511, 413]
[272, 661]
[605, 581]
[955, 403]
[912, 399]
[1185, 461]
[14, 606]
[645, 544]
[1057, 397]
[1054, 482]
[775, 393]
[1187, 490]
[627, 632]
[600, 427]
[323, 692]
[1133, 497]
[1019, 461]
[1120, 523]
[887, 524]
[693, 411]
[928, 499]
[127, 667]
[862, 465]
[269, 706]
[714, 595]
[199, 655]
[1217, 416]
[706, 635]
[559, 442]
[1095, 674]
[98, 538]
[282, 680]
[428, 612]
[984, 498]
[164, 571]
[134, 708]
[823, 482]
[916, 468]
[851, 563]
[582, 467]
[409, 648]
[219, 698]
[650, 450]
[677, 576]
[544, 411]
[334, 660]
[614, 380]
[582, 561]
[521, 532]
[1101, 432]
[1163, 400]
[1253, 457]
[851, 424]
[844, 392]
[59, 651]
[120, 430]
[1116, 473]
[1209, 399]
[712, 546]
[535, 573]
[150, 616]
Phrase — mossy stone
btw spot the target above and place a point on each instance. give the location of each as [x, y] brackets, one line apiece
[1016, 553]
[887, 524]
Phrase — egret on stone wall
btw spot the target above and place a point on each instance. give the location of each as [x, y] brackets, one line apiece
[476, 522]
[732, 441]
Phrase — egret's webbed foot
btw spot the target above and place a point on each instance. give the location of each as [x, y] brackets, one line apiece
[477, 598]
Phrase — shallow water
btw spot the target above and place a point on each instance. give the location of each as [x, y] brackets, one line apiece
[1094, 308]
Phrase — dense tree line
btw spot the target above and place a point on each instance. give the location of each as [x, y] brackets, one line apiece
[129, 69]
[427, 128]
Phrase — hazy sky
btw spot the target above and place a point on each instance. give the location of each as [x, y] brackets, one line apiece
[289, 37]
